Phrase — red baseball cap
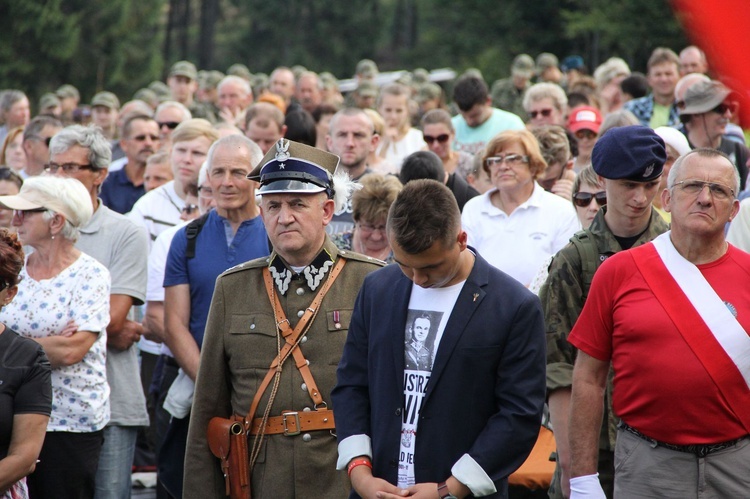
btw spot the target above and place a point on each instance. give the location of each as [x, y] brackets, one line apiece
[584, 118]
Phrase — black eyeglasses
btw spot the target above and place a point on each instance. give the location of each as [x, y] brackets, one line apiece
[188, 209]
[442, 138]
[583, 199]
[67, 167]
[169, 124]
[7, 173]
[544, 112]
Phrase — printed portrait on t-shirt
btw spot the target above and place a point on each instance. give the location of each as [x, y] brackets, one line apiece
[420, 339]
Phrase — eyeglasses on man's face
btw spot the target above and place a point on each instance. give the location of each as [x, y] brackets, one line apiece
[694, 187]
[67, 167]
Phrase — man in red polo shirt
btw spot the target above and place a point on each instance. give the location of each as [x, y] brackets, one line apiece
[672, 318]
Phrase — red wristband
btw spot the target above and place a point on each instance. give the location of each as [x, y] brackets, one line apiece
[358, 462]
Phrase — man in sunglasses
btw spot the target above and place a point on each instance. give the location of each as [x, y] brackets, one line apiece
[671, 319]
[630, 161]
[168, 116]
[140, 139]
[705, 112]
[36, 137]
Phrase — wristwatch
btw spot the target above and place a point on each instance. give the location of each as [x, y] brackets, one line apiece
[443, 491]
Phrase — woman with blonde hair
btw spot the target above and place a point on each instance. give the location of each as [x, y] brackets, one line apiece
[516, 225]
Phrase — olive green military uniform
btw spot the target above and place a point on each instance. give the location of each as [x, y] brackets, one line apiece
[563, 296]
[239, 345]
[506, 96]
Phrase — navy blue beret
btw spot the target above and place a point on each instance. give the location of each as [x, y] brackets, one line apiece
[629, 152]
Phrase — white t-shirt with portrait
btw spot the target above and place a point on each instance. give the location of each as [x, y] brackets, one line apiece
[429, 311]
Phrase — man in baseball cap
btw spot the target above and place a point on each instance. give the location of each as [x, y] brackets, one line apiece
[105, 108]
[183, 83]
[629, 160]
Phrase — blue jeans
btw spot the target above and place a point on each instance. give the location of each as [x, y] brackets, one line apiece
[113, 478]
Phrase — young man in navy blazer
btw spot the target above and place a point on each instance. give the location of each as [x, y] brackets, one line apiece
[467, 415]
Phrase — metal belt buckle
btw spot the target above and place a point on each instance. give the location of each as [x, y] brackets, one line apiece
[288, 433]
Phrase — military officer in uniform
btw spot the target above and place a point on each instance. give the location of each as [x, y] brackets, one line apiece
[292, 444]
[630, 159]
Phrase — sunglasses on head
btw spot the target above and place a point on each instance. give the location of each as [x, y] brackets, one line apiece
[583, 199]
[544, 112]
[442, 138]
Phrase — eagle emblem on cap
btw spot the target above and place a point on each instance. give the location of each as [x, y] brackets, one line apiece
[649, 170]
[282, 150]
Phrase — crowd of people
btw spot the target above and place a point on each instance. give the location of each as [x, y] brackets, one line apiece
[162, 258]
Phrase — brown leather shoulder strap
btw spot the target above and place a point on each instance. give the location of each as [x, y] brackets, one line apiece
[292, 336]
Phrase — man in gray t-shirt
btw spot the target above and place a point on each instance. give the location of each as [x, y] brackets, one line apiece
[121, 246]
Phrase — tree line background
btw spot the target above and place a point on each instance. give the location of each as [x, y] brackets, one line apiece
[122, 45]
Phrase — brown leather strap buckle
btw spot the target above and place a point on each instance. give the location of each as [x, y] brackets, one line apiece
[297, 425]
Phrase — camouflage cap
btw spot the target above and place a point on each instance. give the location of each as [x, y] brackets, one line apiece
[184, 68]
[160, 89]
[47, 101]
[212, 78]
[367, 89]
[106, 99]
[148, 96]
[428, 91]
[546, 60]
[523, 66]
[328, 79]
[420, 76]
[367, 68]
[239, 70]
[67, 91]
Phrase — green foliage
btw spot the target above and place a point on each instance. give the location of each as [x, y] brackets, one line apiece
[117, 44]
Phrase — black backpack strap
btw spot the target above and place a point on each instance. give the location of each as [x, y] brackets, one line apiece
[191, 232]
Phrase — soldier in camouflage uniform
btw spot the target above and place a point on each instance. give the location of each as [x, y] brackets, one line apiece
[630, 159]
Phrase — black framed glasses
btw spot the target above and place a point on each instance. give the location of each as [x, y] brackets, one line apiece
[46, 140]
[67, 167]
[724, 107]
[143, 137]
[3, 285]
[583, 199]
[442, 138]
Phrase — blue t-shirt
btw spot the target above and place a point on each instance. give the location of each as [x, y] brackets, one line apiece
[472, 139]
[118, 192]
[213, 255]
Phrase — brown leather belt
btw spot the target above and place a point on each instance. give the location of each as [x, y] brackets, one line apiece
[292, 423]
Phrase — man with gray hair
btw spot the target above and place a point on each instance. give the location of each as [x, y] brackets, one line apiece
[117, 243]
[671, 318]
[309, 91]
[299, 193]
[235, 95]
[168, 115]
[36, 138]
[227, 236]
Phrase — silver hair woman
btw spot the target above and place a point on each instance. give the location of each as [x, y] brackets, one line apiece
[63, 304]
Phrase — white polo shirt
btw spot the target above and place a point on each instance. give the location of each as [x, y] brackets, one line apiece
[519, 243]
